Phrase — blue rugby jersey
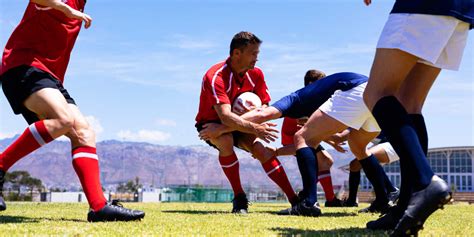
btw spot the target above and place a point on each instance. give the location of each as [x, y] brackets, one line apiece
[460, 9]
[305, 101]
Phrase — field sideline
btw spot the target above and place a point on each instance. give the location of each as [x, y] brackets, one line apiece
[213, 219]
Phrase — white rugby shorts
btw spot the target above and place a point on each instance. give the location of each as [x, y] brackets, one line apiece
[438, 41]
[392, 155]
[348, 107]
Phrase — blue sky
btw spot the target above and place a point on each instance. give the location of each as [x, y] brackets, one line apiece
[136, 73]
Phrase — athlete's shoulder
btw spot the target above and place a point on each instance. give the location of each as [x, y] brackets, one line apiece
[256, 73]
[215, 70]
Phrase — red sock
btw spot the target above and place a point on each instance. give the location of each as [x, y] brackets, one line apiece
[324, 178]
[276, 173]
[230, 166]
[35, 136]
[86, 165]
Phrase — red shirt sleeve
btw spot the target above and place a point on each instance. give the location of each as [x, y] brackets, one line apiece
[288, 130]
[261, 88]
[216, 89]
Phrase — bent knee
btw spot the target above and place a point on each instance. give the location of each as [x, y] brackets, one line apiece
[355, 166]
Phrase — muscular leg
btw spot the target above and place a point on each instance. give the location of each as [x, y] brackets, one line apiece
[358, 140]
[228, 161]
[56, 120]
[270, 163]
[384, 83]
[318, 127]
[85, 160]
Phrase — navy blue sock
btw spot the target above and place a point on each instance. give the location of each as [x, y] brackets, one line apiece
[308, 160]
[304, 175]
[420, 127]
[354, 181]
[375, 174]
[400, 132]
[388, 184]
[406, 187]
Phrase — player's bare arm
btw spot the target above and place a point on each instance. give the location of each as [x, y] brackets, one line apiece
[264, 131]
[260, 115]
[66, 9]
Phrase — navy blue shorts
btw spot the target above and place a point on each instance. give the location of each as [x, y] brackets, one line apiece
[20, 82]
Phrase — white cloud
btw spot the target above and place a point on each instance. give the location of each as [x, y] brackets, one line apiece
[152, 136]
[166, 122]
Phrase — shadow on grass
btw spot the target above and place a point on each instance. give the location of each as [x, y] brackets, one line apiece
[196, 212]
[325, 214]
[17, 219]
[353, 231]
[22, 219]
[63, 219]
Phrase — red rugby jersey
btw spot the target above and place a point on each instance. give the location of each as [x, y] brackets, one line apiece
[288, 130]
[221, 86]
[43, 39]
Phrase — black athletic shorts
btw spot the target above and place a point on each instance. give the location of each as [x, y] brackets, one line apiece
[20, 82]
[235, 135]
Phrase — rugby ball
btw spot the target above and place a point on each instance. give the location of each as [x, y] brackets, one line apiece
[244, 102]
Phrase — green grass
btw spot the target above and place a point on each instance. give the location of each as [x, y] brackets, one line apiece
[213, 219]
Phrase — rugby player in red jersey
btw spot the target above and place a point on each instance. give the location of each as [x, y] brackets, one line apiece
[221, 84]
[32, 72]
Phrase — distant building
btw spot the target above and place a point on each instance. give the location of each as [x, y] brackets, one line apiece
[453, 164]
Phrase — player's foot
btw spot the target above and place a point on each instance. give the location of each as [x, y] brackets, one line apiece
[376, 207]
[387, 221]
[3, 205]
[351, 204]
[114, 211]
[287, 212]
[422, 204]
[393, 197]
[335, 202]
[301, 209]
[240, 204]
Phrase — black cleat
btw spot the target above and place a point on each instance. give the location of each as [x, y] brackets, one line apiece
[351, 204]
[288, 211]
[114, 211]
[393, 197]
[422, 204]
[240, 204]
[334, 203]
[376, 207]
[301, 209]
[387, 221]
[3, 205]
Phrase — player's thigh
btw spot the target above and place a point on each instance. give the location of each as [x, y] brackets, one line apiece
[49, 103]
[358, 140]
[318, 127]
[415, 88]
[386, 80]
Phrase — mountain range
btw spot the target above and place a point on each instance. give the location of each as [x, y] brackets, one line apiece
[157, 166]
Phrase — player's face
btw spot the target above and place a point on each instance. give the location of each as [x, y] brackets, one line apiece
[249, 56]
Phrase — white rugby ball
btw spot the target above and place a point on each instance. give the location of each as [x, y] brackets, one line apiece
[244, 102]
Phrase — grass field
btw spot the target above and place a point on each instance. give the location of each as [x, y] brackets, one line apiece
[214, 219]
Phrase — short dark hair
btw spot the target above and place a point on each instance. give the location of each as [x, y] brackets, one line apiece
[312, 76]
[242, 39]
